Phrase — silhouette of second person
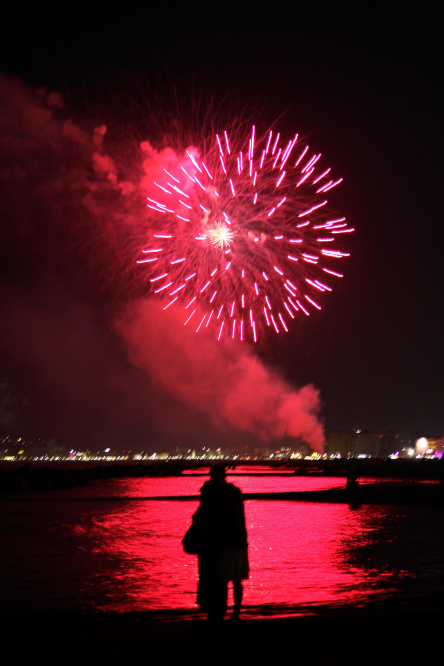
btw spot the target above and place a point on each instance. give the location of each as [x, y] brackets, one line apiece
[223, 556]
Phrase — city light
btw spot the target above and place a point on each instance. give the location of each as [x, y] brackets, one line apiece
[339, 445]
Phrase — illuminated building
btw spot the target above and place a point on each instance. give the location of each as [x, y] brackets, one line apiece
[336, 443]
[421, 446]
[355, 443]
[365, 443]
[430, 447]
[439, 446]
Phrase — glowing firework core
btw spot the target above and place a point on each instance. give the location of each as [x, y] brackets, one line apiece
[241, 235]
[221, 236]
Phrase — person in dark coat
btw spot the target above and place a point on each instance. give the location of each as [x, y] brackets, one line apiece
[223, 556]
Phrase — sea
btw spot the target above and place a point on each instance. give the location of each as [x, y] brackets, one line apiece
[115, 546]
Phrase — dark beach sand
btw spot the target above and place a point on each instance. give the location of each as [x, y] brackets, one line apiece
[382, 634]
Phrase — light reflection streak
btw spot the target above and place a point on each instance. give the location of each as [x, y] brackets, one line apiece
[127, 556]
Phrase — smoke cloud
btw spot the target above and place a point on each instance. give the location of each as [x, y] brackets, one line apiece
[222, 379]
[73, 217]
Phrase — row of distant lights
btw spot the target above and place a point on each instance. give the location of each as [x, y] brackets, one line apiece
[73, 456]
[80, 457]
[77, 458]
[429, 453]
[294, 456]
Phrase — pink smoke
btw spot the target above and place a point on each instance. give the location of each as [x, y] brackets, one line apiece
[224, 380]
[75, 203]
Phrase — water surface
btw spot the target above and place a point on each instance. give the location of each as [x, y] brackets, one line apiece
[62, 554]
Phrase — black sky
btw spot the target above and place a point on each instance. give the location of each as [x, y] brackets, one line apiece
[364, 84]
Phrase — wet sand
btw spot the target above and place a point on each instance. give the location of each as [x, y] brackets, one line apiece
[376, 635]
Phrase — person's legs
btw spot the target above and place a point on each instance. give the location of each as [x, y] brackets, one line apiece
[238, 594]
[218, 602]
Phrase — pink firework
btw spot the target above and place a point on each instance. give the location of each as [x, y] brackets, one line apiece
[241, 236]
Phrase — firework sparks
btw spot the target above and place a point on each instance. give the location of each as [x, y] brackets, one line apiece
[221, 236]
[243, 232]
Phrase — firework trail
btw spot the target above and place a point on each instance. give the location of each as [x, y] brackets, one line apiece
[241, 237]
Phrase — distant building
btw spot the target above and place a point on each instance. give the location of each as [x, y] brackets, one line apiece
[354, 443]
[389, 444]
[350, 442]
[439, 446]
[421, 446]
[365, 443]
[429, 446]
[336, 443]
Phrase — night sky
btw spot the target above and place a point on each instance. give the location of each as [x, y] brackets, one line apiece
[361, 84]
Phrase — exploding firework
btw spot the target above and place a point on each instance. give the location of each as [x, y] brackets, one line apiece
[240, 235]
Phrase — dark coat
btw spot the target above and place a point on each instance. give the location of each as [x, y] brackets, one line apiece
[222, 516]
[220, 519]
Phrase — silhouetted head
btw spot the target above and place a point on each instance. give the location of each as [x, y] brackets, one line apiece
[217, 473]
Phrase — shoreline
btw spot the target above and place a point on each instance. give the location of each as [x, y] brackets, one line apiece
[380, 632]
[34, 477]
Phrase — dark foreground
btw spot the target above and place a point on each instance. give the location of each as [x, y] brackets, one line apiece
[397, 635]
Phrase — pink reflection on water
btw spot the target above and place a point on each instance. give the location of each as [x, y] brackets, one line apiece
[144, 541]
[64, 551]
[190, 485]
[79, 549]
[297, 556]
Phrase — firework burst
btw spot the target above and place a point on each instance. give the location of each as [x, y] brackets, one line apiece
[240, 236]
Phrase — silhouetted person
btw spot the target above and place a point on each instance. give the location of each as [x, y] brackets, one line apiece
[223, 556]
[352, 474]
